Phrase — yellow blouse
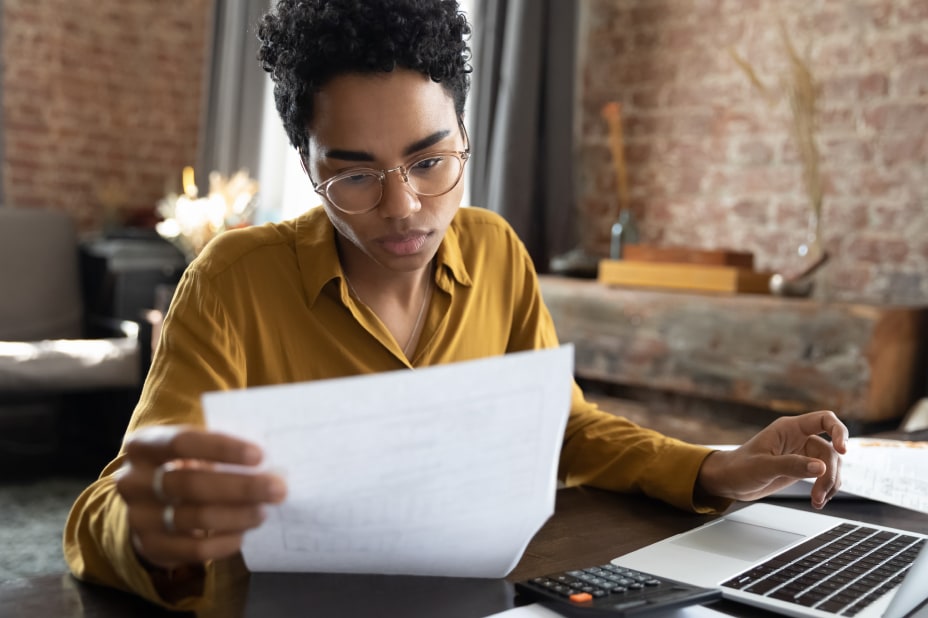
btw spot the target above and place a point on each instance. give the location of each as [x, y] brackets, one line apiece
[269, 305]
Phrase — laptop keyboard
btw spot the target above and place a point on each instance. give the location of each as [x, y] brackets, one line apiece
[840, 571]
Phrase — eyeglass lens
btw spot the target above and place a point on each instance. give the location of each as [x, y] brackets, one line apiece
[432, 175]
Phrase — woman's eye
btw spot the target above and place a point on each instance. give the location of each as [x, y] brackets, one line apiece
[357, 179]
[427, 164]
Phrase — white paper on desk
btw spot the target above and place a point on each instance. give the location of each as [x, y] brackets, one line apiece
[891, 471]
[447, 471]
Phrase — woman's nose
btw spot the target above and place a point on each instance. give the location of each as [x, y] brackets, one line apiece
[398, 200]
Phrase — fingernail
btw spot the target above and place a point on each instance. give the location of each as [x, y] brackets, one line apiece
[252, 453]
[277, 489]
[814, 468]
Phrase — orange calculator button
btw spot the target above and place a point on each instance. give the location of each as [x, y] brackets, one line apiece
[581, 597]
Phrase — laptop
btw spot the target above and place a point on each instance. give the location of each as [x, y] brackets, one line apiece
[797, 563]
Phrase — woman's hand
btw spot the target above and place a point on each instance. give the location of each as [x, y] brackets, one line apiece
[787, 450]
[184, 509]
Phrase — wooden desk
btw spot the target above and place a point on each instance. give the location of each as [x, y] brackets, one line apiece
[589, 527]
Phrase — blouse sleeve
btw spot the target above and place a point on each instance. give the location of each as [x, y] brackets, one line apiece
[198, 352]
[601, 449]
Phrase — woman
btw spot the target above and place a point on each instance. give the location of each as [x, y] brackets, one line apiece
[389, 273]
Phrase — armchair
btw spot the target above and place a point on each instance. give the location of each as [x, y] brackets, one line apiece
[68, 381]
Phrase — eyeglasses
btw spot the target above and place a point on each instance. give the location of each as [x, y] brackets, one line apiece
[359, 191]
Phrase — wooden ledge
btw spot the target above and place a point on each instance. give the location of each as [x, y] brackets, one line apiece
[865, 362]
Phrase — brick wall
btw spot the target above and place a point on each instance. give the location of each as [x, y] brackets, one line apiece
[711, 165]
[101, 102]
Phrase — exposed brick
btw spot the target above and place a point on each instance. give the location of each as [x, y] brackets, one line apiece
[111, 77]
[837, 52]
[896, 215]
[829, 21]
[848, 280]
[896, 149]
[869, 15]
[651, 13]
[753, 152]
[848, 87]
[913, 80]
[646, 40]
[878, 249]
[913, 10]
[752, 211]
[847, 150]
[872, 135]
[731, 122]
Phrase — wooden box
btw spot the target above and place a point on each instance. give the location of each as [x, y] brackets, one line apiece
[696, 277]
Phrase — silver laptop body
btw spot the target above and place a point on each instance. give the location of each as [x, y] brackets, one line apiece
[732, 545]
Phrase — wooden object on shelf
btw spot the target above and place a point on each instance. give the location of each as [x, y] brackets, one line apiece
[683, 255]
[865, 362]
[696, 277]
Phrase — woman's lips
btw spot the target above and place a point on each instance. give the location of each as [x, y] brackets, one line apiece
[404, 244]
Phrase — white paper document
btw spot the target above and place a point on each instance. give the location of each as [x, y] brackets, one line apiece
[891, 471]
[446, 471]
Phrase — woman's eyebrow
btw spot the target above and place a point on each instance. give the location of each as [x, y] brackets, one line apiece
[360, 155]
[426, 142]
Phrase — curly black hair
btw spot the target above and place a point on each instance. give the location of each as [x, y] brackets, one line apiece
[306, 43]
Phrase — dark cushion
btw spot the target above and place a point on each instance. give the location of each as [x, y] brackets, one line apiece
[39, 277]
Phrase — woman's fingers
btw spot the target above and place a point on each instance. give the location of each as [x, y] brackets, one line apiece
[202, 485]
[159, 444]
[196, 520]
[172, 550]
[191, 493]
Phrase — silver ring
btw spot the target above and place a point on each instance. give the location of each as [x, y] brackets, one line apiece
[157, 484]
[167, 518]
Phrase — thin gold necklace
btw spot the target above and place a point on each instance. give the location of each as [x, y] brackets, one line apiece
[425, 302]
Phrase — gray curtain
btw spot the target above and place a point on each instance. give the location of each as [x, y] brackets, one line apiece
[524, 54]
[2, 132]
[230, 130]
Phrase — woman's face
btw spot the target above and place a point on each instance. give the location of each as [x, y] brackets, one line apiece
[379, 122]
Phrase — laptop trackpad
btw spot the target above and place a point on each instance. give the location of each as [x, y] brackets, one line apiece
[737, 540]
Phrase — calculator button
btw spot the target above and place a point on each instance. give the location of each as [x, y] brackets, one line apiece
[581, 597]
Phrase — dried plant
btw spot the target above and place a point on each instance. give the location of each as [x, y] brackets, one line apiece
[612, 113]
[801, 91]
[190, 221]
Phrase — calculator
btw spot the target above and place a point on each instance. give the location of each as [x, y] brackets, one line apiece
[610, 590]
